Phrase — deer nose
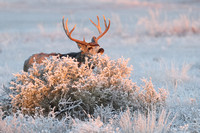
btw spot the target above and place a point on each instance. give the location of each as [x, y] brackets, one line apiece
[101, 51]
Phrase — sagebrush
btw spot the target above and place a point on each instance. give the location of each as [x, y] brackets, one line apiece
[60, 85]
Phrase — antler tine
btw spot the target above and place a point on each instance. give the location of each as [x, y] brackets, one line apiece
[97, 26]
[106, 28]
[105, 21]
[64, 26]
[68, 33]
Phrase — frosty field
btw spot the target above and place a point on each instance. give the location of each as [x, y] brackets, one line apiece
[160, 37]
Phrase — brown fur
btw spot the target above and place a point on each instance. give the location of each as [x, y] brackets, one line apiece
[38, 58]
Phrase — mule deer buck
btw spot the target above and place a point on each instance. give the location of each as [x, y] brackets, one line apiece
[86, 49]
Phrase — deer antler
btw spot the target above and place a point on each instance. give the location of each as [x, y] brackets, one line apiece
[99, 28]
[68, 33]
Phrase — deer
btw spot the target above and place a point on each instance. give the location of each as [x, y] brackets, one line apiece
[86, 49]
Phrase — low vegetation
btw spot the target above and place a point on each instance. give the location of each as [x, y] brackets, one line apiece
[58, 87]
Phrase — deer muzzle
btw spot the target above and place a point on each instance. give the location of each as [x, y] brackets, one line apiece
[101, 51]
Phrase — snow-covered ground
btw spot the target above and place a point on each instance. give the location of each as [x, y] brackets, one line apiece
[161, 38]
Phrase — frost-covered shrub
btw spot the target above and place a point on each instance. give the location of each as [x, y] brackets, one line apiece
[62, 86]
[5, 102]
[148, 97]
[18, 123]
[126, 122]
[155, 26]
[123, 122]
[153, 122]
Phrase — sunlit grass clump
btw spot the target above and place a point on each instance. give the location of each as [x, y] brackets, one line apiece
[62, 86]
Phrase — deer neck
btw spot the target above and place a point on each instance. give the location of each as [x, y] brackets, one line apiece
[81, 57]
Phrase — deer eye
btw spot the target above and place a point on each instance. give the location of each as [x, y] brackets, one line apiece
[89, 48]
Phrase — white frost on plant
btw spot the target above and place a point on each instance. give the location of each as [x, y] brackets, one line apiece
[180, 26]
[61, 85]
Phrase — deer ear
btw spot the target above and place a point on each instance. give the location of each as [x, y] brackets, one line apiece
[82, 47]
[94, 39]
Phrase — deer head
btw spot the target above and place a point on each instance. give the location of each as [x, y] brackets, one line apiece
[92, 47]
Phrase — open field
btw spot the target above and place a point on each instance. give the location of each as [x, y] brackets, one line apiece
[160, 37]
